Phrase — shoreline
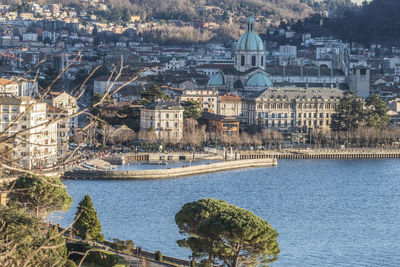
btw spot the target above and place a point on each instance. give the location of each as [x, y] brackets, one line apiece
[169, 173]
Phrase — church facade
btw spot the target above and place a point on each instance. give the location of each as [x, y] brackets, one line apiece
[283, 108]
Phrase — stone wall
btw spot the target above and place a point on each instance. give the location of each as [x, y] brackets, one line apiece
[170, 173]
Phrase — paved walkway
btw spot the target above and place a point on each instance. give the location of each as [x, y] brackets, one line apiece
[135, 262]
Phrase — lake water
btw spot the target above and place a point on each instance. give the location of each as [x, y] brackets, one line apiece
[327, 212]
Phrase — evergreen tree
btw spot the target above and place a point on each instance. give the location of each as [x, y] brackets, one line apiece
[41, 194]
[192, 109]
[223, 233]
[25, 241]
[349, 114]
[376, 113]
[152, 94]
[88, 225]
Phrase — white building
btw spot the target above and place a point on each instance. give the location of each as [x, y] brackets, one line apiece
[165, 118]
[286, 54]
[103, 84]
[68, 104]
[207, 99]
[18, 87]
[25, 121]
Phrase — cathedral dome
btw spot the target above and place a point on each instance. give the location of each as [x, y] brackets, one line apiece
[216, 80]
[250, 41]
[259, 80]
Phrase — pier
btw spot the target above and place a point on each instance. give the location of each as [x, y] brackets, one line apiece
[171, 173]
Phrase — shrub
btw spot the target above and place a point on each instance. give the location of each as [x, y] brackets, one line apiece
[159, 256]
[70, 263]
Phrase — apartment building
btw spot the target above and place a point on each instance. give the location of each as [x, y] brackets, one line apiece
[165, 118]
[24, 121]
[68, 106]
[207, 99]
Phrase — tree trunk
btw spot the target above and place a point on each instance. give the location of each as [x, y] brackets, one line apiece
[235, 260]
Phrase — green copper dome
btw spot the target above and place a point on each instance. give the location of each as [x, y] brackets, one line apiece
[250, 41]
[216, 80]
[259, 80]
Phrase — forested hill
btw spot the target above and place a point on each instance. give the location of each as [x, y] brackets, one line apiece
[189, 10]
[377, 22]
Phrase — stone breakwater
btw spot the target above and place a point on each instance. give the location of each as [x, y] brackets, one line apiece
[170, 173]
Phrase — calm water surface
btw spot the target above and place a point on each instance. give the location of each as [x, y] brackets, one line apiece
[327, 212]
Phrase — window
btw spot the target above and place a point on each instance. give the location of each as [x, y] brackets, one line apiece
[242, 60]
[273, 115]
[262, 60]
[159, 124]
[23, 127]
[279, 115]
[266, 115]
[292, 115]
[176, 125]
[285, 115]
[167, 124]
[299, 115]
[253, 61]
[167, 115]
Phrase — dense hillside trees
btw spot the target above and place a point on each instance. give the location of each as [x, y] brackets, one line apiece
[376, 22]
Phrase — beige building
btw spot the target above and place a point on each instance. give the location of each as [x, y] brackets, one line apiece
[166, 118]
[207, 98]
[54, 113]
[229, 105]
[292, 108]
[18, 87]
[35, 141]
[68, 103]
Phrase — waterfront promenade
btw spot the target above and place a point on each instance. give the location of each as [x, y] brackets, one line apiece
[171, 173]
[355, 153]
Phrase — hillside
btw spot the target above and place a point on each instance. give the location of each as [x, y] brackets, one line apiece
[376, 22]
[195, 9]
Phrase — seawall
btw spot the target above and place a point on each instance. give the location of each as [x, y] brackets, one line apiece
[324, 154]
[170, 173]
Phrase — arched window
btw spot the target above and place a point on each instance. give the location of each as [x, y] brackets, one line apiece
[262, 61]
[253, 60]
[242, 61]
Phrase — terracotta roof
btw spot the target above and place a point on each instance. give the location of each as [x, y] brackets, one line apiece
[53, 109]
[6, 81]
[230, 98]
